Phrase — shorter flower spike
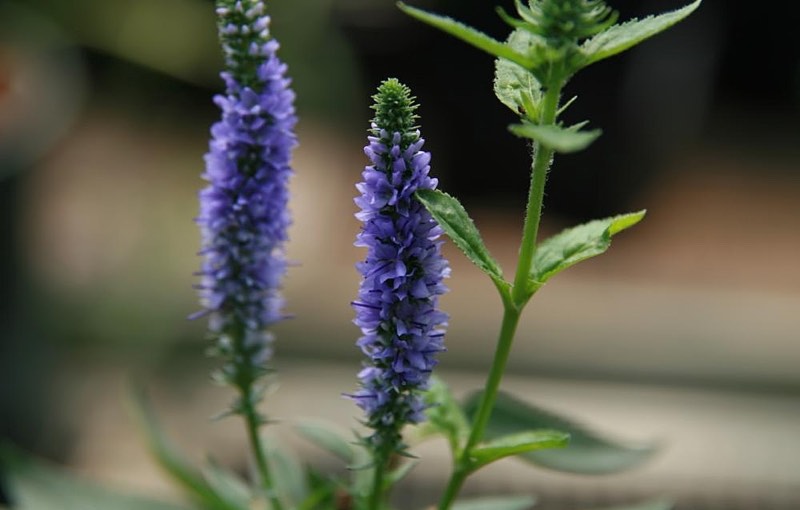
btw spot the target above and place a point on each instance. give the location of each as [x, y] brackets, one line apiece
[397, 307]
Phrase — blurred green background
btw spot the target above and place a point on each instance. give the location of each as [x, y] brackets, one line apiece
[687, 331]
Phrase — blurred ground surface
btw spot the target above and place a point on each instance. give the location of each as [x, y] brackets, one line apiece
[719, 450]
[686, 332]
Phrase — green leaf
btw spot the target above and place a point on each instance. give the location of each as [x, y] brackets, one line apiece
[564, 140]
[496, 503]
[400, 472]
[514, 444]
[578, 243]
[190, 480]
[35, 485]
[467, 34]
[445, 415]
[659, 504]
[455, 221]
[228, 485]
[587, 452]
[330, 441]
[514, 86]
[288, 476]
[323, 492]
[363, 472]
[621, 37]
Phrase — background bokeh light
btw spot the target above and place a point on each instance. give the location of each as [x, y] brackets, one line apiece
[687, 332]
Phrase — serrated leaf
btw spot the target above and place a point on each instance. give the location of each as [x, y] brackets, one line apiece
[587, 453]
[288, 476]
[564, 140]
[623, 36]
[326, 438]
[35, 485]
[445, 415]
[514, 86]
[659, 504]
[189, 478]
[579, 243]
[515, 444]
[467, 34]
[496, 503]
[455, 221]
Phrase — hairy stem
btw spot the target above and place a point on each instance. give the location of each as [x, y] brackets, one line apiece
[520, 295]
[542, 159]
[463, 464]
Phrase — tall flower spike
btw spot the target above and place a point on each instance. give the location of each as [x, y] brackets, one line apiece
[403, 331]
[243, 210]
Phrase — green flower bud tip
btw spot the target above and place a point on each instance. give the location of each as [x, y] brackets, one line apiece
[564, 22]
[394, 110]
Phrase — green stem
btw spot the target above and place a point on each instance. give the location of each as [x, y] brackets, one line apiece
[463, 466]
[520, 295]
[453, 487]
[244, 379]
[376, 494]
[507, 330]
[253, 422]
[542, 160]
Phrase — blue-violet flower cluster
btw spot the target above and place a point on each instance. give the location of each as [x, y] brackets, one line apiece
[403, 331]
[243, 210]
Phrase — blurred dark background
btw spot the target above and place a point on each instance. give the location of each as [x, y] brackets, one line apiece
[105, 107]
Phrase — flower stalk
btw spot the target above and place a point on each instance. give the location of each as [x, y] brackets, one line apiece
[243, 210]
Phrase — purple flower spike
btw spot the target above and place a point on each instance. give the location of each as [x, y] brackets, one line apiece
[403, 331]
[243, 210]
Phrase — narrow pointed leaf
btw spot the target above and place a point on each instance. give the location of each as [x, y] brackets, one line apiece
[189, 478]
[564, 107]
[363, 472]
[36, 485]
[322, 492]
[228, 485]
[496, 503]
[587, 452]
[577, 244]
[445, 415]
[514, 444]
[327, 439]
[564, 140]
[515, 86]
[455, 221]
[621, 37]
[400, 472]
[288, 477]
[467, 34]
